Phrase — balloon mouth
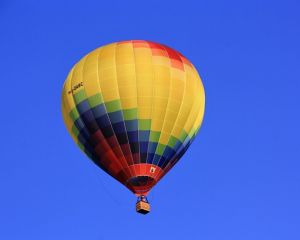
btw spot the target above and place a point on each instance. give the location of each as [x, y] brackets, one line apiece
[140, 185]
[140, 181]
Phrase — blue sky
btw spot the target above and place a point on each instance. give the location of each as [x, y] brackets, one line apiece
[240, 178]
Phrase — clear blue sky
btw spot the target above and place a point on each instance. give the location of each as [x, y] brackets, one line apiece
[240, 178]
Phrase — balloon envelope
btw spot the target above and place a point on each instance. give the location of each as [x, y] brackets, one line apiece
[133, 107]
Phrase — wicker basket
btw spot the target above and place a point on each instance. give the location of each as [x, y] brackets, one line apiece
[142, 207]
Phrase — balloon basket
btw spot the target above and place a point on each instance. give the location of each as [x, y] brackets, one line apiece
[142, 206]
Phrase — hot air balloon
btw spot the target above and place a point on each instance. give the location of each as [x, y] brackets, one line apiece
[134, 108]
